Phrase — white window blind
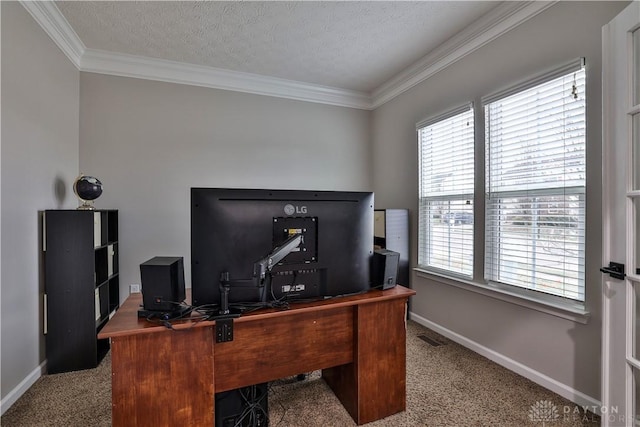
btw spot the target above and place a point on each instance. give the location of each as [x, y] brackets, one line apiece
[446, 157]
[535, 186]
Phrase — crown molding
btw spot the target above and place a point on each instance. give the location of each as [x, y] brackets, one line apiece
[490, 26]
[103, 62]
[48, 16]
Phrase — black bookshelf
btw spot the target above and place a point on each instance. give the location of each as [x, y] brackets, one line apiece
[81, 285]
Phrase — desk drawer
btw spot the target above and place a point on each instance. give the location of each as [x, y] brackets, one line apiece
[268, 349]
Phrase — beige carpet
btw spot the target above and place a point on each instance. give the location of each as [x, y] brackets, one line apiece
[447, 385]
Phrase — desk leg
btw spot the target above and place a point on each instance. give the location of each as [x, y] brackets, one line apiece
[374, 385]
[163, 378]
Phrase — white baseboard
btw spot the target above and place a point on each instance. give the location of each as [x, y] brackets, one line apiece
[21, 388]
[545, 381]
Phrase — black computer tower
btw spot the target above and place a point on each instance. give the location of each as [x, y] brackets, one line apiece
[243, 407]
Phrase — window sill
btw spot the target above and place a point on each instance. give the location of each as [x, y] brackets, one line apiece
[573, 311]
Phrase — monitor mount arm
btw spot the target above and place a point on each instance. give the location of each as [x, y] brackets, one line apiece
[266, 264]
[260, 270]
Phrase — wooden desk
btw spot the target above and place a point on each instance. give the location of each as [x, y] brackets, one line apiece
[170, 377]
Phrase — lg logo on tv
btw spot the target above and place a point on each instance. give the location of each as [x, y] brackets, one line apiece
[291, 209]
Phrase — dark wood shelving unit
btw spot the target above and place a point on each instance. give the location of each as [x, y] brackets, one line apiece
[81, 285]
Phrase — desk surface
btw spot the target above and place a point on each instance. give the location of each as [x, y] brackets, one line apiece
[126, 322]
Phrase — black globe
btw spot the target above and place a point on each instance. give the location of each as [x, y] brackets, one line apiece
[87, 187]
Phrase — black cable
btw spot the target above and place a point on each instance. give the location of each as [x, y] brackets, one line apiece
[210, 311]
[252, 407]
[283, 301]
[166, 318]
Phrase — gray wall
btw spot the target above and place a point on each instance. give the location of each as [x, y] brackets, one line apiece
[150, 142]
[40, 110]
[566, 351]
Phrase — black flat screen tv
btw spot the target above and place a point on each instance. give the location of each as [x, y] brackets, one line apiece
[232, 229]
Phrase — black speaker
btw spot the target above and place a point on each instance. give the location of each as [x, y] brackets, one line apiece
[243, 407]
[384, 268]
[162, 283]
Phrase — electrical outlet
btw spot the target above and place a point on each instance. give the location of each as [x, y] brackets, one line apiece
[134, 288]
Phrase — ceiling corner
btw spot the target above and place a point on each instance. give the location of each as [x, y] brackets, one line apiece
[47, 15]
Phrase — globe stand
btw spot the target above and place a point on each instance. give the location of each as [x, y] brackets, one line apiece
[87, 205]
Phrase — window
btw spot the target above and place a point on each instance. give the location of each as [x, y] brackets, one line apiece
[535, 185]
[446, 147]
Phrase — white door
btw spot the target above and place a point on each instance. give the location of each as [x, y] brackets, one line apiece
[621, 219]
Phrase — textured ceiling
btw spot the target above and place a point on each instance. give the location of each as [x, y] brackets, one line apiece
[347, 45]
